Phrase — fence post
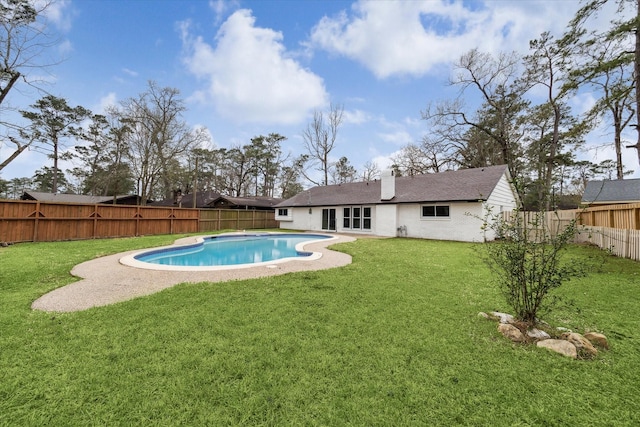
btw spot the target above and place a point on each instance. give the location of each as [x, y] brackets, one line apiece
[627, 244]
[137, 220]
[35, 222]
[95, 221]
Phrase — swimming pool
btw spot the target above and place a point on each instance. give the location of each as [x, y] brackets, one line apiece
[228, 251]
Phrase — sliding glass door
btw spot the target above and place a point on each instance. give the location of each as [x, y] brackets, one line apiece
[329, 219]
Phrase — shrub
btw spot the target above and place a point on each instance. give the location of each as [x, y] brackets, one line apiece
[527, 260]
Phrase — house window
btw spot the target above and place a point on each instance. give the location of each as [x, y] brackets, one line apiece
[356, 218]
[283, 212]
[366, 218]
[346, 218]
[435, 211]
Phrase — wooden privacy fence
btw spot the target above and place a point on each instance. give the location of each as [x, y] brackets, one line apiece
[623, 216]
[31, 221]
[622, 242]
[551, 223]
[224, 219]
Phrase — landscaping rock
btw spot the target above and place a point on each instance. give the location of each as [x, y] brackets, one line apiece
[503, 317]
[584, 347]
[484, 315]
[537, 334]
[511, 332]
[597, 339]
[560, 346]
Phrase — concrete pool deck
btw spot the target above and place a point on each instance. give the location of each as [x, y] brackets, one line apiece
[106, 281]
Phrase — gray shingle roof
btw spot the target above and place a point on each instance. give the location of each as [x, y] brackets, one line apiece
[258, 201]
[67, 198]
[612, 191]
[450, 186]
[203, 199]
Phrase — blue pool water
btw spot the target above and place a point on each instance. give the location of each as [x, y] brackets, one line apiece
[232, 250]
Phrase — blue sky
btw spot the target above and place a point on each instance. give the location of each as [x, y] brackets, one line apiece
[249, 68]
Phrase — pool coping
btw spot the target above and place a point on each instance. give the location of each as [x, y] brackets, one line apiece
[104, 281]
[131, 261]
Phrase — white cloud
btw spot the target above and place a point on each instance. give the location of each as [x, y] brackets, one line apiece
[414, 37]
[398, 138]
[220, 7]
[250, 77]
[130, 72]
[110, 100]
[65, 47]
[384, 162]
[59, 13]
[356, 117]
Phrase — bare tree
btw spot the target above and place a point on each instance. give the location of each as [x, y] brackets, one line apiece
[496, 81]
[370, 171]
[411, 160]
[319, 140]
[159, 138]
[289, 179]
[430, 156]
[23, 41]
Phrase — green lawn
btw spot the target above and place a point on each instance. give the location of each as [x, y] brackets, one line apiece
[391, 340]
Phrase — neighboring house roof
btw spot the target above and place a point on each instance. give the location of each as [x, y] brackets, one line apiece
[75, 198]
[612, 191]
[212, 199]
[246, 202]
[451, 186]
[203, 199]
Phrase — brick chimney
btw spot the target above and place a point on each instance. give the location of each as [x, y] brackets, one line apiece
[387, 185]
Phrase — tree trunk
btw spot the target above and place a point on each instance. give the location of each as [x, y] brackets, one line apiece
[636, 68]
[54, 185]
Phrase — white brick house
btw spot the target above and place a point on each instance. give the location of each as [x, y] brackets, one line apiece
[446, 206]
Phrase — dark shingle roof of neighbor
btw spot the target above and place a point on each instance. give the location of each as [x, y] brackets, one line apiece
[612, 191]
[203, 198]
[258, 201]
[67, 198]
[451, 186]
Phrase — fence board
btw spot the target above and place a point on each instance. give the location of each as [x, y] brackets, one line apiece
[31, 221]
[623, 216]
[622, 242]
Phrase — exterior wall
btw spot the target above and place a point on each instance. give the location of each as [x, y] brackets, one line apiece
[281, 218]
[385, 221]
[311, 219]
[502, 198]
[463, 224]
[301, 219]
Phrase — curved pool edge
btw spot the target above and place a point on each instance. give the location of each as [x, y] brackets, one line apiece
[104, 281]
[131, 261]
